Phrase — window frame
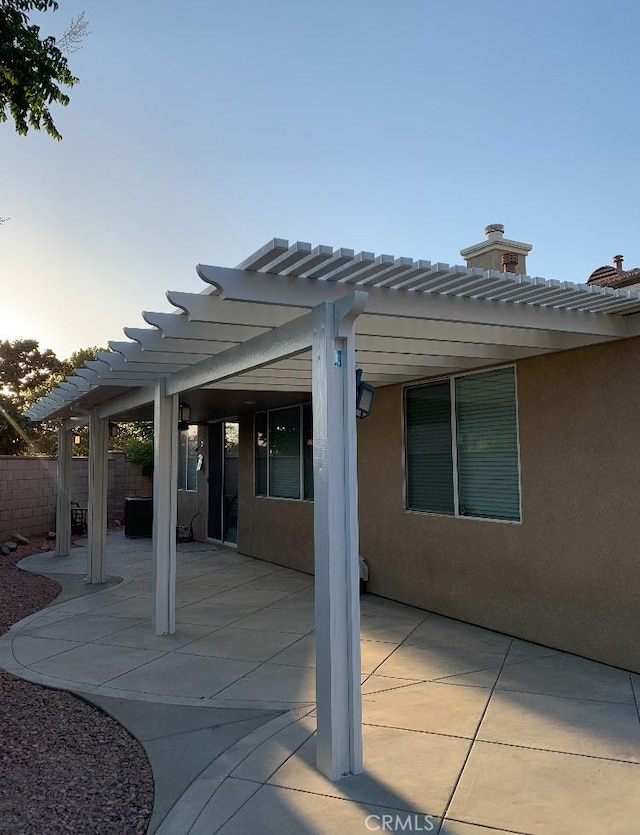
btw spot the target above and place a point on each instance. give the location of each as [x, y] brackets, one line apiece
[301, 498]
[186, 488]
[454, 445]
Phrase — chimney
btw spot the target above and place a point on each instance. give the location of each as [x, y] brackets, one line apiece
[617, 260]
[497, 252]
[494, 231]
[510, 262]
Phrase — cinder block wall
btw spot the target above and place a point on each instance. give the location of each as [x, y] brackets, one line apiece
[28, 491]
[27, 495]
[133, 483]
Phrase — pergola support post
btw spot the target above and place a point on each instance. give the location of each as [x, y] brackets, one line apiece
[165, 499]
[337, 601]
[97, 506]
[63, 495]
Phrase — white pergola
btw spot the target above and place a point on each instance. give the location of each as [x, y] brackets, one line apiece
[301, 319]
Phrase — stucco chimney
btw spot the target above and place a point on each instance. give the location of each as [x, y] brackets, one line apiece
[617, 260]
[497, 252]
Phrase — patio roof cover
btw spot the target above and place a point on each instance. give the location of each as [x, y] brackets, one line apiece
[295, 319]
[421, 320]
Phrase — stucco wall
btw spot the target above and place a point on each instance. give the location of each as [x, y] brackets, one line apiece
[492, 260]
[568, 575]
[191, 507]
[279, 530]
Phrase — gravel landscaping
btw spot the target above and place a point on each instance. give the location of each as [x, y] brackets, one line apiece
[65, 766]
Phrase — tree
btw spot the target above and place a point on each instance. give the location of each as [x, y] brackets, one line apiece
[136, 440]
[26, 375]
[33, 69]
[24, 370]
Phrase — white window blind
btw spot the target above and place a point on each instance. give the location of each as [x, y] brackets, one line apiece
[487, 442]
[462, 446]
[284, 453]
[429, 459]
[188, 459]
[261, 453]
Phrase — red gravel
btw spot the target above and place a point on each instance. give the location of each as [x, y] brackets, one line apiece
[65, 766]
[23, 593]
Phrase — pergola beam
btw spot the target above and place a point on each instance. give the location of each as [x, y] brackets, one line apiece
[178, 325]
[212, 308]
[134, 354]
[279, 343]
[399, 346]
[127, 402]
[258, 386]
[239, 285]
[118, 363]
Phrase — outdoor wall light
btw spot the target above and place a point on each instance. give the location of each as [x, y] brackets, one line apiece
[114, 430]
[76, 440]
[365, 394]
[184, 414]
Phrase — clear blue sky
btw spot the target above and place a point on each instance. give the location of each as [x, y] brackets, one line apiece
[200, 130]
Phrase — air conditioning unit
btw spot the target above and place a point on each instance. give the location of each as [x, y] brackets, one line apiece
[138, 517]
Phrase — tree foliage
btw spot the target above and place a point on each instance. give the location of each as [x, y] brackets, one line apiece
[24, 370]
[27, 373]
[136, 440]
[34, 69]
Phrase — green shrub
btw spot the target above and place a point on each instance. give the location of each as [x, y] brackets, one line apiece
[140, 451]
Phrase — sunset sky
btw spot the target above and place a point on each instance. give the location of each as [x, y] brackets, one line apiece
[200, 130]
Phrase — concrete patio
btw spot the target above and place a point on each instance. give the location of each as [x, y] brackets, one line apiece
[466, 731]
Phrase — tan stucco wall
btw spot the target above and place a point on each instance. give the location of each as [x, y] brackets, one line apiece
[279, 530]
[569, 575]
[190, 501]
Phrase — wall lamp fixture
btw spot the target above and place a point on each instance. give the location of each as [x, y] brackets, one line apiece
[365, 394]
[184, 416]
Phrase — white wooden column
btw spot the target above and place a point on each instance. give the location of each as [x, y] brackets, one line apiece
[337, 600]
[63, 495]
[165, 500]
[97, 507]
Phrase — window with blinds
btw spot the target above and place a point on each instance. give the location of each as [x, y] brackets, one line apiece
[261, 453]
[284, 453]
[487, 445]
[462, 446]
[188, 459]
[429, 459]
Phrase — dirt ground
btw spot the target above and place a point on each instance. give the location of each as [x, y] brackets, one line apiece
[65, 766]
